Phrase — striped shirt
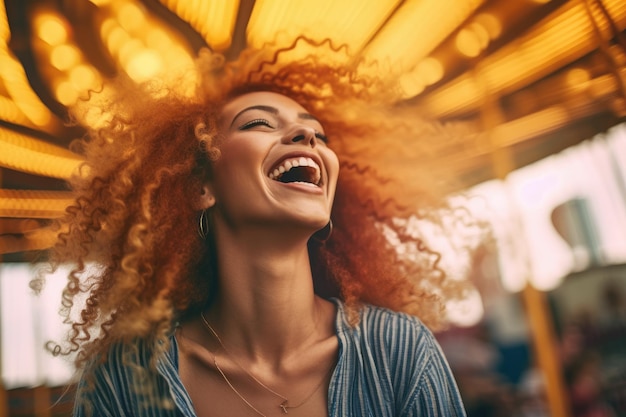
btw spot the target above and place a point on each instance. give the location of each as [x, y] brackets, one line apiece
[388, 365]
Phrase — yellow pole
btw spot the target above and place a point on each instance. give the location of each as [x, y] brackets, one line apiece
[540, 323]
[538, 315]
[545, 351]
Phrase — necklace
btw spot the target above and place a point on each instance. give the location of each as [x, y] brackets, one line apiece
[284, 405]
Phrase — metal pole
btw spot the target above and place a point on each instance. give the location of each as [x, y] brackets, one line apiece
[539, 317]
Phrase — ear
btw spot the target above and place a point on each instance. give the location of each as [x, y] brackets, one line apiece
[206, 198]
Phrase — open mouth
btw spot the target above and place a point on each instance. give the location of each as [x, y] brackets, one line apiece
[301, 170]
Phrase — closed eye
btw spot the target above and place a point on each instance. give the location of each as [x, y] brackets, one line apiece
[255, 122]
[321, 137]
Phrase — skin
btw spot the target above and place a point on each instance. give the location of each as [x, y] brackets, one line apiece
[266, 314]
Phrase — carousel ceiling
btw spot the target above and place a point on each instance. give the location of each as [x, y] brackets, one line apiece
[537, 75]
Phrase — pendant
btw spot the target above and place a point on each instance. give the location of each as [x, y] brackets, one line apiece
[284, 405]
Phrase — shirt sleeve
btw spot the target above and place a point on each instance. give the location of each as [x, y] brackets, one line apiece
[436, 393]
[123, 386]
[97, 394]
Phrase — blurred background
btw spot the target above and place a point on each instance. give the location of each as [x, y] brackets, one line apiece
[541, 86]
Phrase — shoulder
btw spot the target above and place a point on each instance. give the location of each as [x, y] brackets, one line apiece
[123, 361]
[387, 328]
[127, 375]
[397, 345]
[403, 356]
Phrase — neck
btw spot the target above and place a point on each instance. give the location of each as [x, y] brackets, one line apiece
[266, 308]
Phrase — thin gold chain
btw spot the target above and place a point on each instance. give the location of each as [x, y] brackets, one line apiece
[219, 340]
[232, 387]
[284, 406]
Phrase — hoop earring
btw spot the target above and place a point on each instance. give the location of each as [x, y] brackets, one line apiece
[321, 237]
[203, 225]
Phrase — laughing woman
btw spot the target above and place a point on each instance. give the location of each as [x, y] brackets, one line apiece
[233, 250]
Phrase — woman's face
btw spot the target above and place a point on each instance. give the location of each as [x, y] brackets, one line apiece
[275, 167]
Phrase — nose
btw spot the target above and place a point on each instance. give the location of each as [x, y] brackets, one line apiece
[301, 134]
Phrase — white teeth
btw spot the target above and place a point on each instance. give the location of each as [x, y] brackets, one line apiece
[297, 162]
[304, 183]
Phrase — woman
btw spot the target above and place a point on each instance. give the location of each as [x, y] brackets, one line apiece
[233, 250]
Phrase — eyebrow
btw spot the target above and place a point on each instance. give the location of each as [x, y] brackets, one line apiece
[272, 110]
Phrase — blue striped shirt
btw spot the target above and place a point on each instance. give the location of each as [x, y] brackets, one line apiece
[388, 365]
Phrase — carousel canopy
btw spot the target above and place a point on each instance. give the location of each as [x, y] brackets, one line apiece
[539, 76]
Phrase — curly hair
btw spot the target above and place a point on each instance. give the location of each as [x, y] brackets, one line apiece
[131, 234]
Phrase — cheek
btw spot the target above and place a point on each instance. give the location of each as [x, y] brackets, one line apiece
[238, 164]
[332, 165]
[332, 169]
